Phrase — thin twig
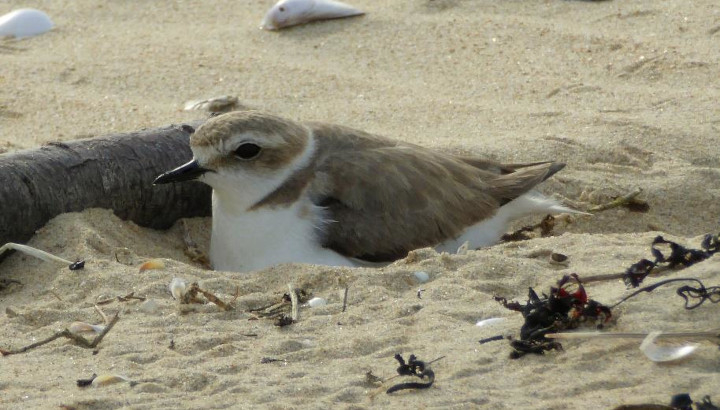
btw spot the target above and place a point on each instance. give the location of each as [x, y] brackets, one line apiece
[102, 314]
[345, 297]
[617, 202]
[214, 299]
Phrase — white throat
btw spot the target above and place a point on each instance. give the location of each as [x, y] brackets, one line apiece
[244, 240]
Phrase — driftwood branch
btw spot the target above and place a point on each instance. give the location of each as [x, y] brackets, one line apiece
[113, 172]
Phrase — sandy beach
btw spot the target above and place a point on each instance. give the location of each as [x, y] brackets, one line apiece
[624, 93]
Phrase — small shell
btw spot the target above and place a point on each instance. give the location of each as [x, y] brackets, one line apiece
[78, 328]
[178, 287]
[422, 277]
[108, 379]
[317, 302]
[286, 13]
[24, 23]
[658, 353]
[224, 103]
[489, 322]
[152, 264]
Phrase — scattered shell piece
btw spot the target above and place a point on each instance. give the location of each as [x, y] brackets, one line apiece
[178, 287]
[286, 13]
[78, 328]
[223, 103]
[152, 264]
[489, 322]
[317, 302]
[422, 277]
[658, 353]
[24, 23]
[108, 379]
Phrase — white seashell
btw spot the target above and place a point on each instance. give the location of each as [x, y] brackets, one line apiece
[178, 287]
[422, 277]
[223, 103]
[24, 23]
[107, 379]
[286, 13]
[658, 353]
[78, 328]
[489, 322]
[317, 302]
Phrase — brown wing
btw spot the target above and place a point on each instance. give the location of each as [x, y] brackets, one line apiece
[384, 202]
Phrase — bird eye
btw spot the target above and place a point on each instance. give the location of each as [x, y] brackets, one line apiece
[247, 151]
[282, 9]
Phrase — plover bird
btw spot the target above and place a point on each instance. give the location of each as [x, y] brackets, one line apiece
[285, 191]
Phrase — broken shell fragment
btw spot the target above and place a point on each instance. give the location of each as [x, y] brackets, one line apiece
[178, 287]
[152, 264]
[286, 13]
[658, 353]
[24, 23]
[78, 328]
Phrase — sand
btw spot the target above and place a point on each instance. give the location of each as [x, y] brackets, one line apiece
[625, 94]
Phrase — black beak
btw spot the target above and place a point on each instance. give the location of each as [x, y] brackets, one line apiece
[185, 172]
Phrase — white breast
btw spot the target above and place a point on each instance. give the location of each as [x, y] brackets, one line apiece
[258, 239]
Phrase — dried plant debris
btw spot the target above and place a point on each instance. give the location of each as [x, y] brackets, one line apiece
[283, 320]
[543, 229]
[416, 368]
[282, 312]
[678, 402]
[190, 296]
[130, 296]
[563, 309]
[693, 296]
[678, 256]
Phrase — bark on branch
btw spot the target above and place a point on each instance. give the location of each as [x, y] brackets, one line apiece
[114, 172]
